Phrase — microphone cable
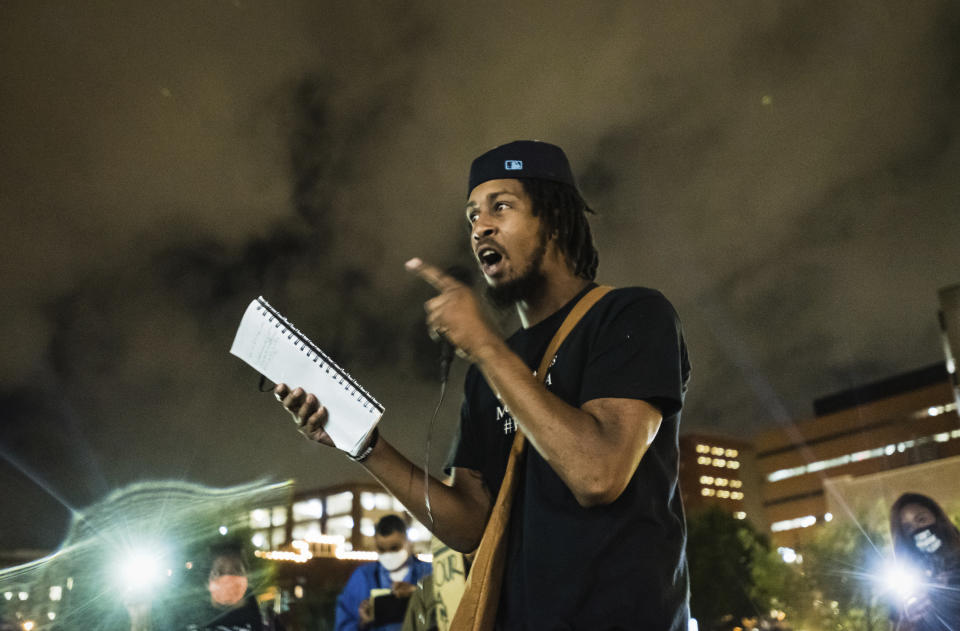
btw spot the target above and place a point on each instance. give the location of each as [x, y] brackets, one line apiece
[426, 457]
[447, 352]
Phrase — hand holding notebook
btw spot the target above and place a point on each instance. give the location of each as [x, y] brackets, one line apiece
[274, 347]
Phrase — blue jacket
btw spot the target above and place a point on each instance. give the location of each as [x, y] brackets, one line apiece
[372, 576]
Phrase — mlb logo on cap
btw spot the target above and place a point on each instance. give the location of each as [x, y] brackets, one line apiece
[513, 165]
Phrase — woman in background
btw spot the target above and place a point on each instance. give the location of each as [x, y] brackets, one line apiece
[926, 539]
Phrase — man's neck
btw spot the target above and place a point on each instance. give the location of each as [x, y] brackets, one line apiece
[558, 290]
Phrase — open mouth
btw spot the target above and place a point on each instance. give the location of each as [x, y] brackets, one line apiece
[489, 260]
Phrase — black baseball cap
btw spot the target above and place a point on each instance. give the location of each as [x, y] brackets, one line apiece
[522, 159]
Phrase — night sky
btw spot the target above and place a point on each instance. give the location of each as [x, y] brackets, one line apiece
[785, 172]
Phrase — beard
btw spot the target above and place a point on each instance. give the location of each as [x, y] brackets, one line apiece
[524, 287]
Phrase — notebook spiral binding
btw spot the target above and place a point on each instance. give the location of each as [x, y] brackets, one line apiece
[330, 367]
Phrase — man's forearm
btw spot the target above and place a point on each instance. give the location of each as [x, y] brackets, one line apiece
[459, 512]
[594, 459]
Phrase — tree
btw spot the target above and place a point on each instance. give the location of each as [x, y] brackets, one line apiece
[835, 583]
[722, 551]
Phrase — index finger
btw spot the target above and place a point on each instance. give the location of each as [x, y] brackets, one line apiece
[438, 279]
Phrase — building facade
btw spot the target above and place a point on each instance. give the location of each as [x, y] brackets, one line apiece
[719, 471]
[899, 422]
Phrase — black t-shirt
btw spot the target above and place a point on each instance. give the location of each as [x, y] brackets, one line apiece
[617, 566]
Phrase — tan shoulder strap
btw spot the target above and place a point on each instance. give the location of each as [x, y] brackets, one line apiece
[477, 610]
[579, 310]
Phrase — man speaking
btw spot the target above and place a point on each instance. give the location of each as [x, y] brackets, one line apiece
[587, 507]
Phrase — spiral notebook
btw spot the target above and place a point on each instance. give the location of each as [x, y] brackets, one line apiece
[277, 350]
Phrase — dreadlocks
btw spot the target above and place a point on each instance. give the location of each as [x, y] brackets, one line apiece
[564, 215]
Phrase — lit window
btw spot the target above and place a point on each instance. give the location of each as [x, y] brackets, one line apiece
[717, 451]
[707, 492]
[731, 453]
[828, 517]
[733, 464]
[703, 449]
[307, 530]
[739, 515]
[722, 482]
[56, 592]
[706, 479]
[367, 527]
[791, 524]
[736, 495]
[308, 509]
[385, 501]
[259, 540]
[941, 438]
[736, 484]
[418, 532]
[933, 411]
[719, 462]
[260, 518]
[723, 493]
[340, 503]
[342, 526]
[703, 460]
[279, 514]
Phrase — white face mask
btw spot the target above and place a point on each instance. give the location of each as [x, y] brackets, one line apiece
[392, 561]
[926, 541]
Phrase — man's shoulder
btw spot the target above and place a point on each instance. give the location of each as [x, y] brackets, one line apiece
[643, 299]
[633, 293]
[364, 572]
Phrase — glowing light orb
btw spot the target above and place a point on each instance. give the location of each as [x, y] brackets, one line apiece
[140, 570]
[900, 580]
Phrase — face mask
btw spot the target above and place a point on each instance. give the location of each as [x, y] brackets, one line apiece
[394, 560]
[926, 541]
[227, 589]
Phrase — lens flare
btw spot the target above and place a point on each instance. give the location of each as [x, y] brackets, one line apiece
[902, 581]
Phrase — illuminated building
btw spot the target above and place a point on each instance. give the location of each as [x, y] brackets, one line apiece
[718, 471]
[334, 521]
[888, 425]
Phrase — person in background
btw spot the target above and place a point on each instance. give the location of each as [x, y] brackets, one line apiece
[396, 569]
[422, 612]
[925, 538]
[232, 607]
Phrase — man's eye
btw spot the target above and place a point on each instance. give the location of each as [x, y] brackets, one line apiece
[500, 205]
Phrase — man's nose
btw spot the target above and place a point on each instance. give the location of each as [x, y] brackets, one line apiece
[481, 230]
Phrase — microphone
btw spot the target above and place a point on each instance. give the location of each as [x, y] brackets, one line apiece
[447, 350]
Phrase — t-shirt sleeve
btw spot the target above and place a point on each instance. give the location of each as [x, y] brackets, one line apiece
[638, 353]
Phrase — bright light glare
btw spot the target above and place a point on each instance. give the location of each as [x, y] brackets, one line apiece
[140, 570]
[901, 580]
[789, 555]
